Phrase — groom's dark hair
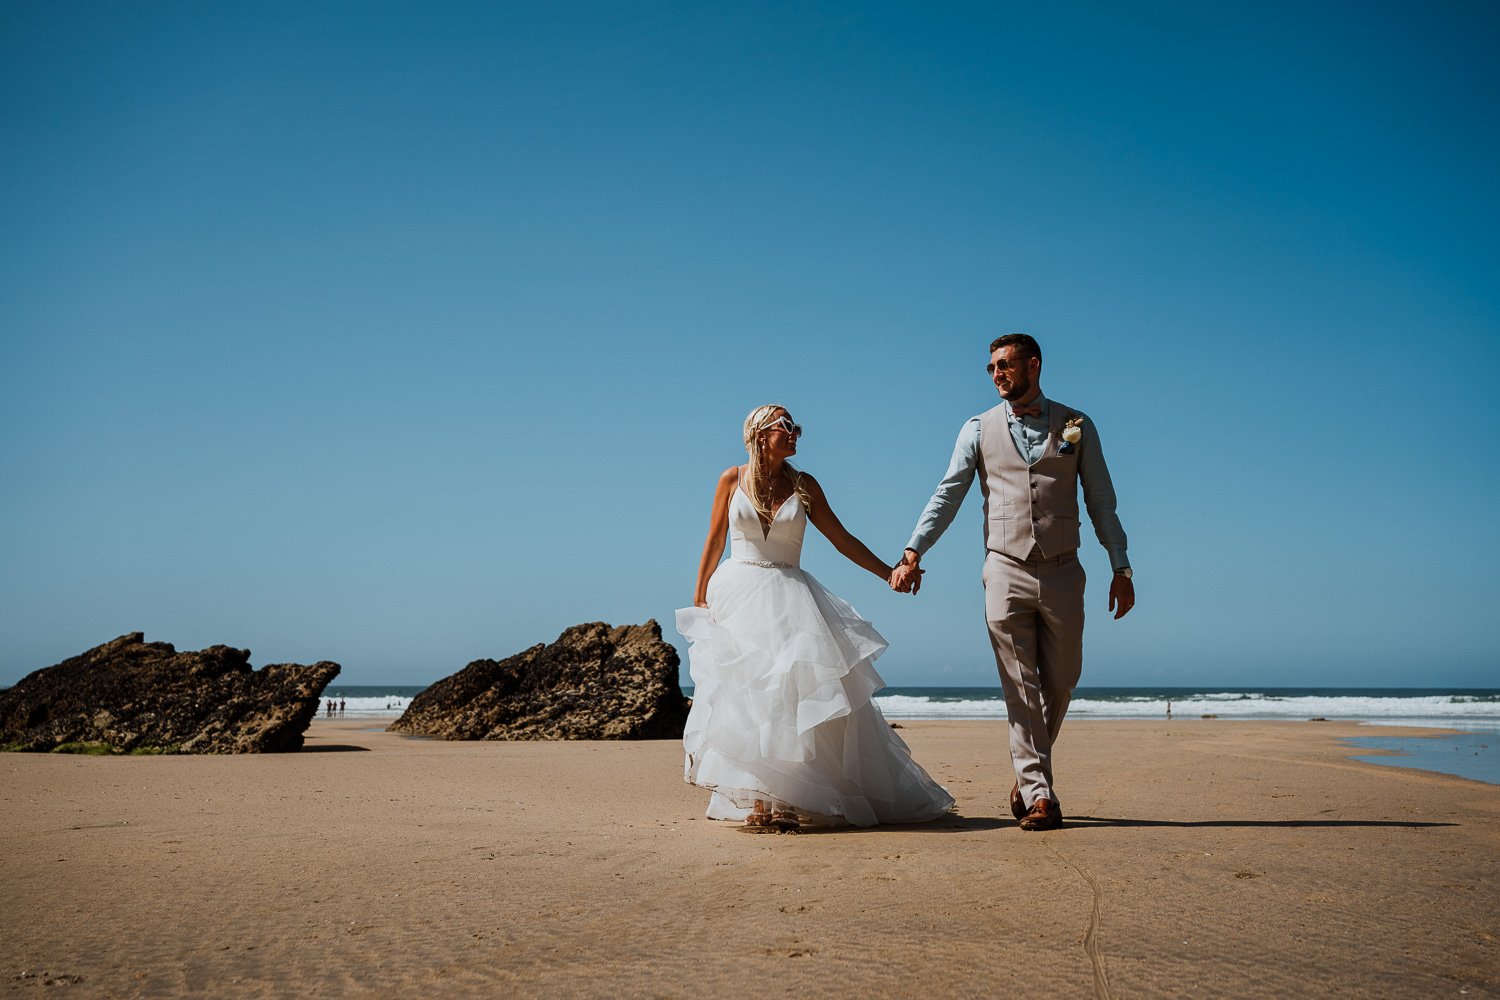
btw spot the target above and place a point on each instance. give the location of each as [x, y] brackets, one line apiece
[1025, 343]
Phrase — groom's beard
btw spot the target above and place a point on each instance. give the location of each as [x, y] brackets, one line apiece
[1019, 387]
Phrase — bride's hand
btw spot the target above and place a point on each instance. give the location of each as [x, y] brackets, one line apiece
[700, 603]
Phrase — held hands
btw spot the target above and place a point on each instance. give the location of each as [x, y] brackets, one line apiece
[906, 577]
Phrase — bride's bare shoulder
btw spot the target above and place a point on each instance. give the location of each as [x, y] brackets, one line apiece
[808, 480]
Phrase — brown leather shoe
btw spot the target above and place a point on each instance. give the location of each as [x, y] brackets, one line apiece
[1043, 816]
[1017, 804]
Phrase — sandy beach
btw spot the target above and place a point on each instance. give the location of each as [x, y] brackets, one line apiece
[1200, 858]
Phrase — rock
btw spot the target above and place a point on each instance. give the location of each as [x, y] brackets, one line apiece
[594, 683]
[133, 696]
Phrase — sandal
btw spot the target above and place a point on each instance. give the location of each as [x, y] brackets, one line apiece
[786, 820]
[761, 817]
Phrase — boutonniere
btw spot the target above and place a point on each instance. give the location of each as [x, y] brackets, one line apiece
[1072, 433]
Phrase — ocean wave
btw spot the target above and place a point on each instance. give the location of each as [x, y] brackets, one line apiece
[903, 706]
[1429, 709]
[1298, 707]
[381, 706]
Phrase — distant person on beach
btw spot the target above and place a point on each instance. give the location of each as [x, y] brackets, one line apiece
[1031, 456]
[783, 727]
[341, 706]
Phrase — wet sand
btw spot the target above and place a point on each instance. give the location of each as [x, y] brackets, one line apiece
[1200, 858]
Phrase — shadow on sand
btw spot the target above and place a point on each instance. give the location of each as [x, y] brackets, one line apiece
[972, 824]
[1283, 824]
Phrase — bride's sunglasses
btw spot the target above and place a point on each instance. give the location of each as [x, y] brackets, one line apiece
[785, 423]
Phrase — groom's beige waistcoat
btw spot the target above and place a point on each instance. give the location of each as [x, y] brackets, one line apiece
[1029, 510]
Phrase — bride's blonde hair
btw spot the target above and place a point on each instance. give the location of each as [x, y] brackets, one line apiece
[758, 420]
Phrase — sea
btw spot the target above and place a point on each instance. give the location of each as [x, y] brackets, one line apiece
[1471, 750]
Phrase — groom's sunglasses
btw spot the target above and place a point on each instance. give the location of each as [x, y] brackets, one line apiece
[785, 423]
[1006, 364]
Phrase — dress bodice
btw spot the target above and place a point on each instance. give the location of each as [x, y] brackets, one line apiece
[749, 543]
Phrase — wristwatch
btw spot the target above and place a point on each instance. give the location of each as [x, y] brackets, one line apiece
[1125, 572]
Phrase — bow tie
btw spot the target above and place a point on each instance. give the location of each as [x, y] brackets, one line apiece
[1025, 411]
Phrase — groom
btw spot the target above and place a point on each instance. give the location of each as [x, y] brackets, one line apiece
[1031, 455]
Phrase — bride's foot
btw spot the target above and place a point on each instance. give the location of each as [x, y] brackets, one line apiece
[786, 820]
[761, 817]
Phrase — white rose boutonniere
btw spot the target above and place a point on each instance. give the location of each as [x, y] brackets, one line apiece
[1071, 434]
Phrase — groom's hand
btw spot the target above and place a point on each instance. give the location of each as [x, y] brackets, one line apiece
[1121, 595]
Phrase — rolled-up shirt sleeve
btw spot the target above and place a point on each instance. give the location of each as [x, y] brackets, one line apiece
[950, 493]
[1099, 496]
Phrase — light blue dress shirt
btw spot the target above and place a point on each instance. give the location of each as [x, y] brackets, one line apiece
[1030, 437]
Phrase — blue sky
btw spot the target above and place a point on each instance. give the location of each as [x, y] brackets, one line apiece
[403, 334]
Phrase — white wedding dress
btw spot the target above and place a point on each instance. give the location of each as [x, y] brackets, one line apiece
[782, 684]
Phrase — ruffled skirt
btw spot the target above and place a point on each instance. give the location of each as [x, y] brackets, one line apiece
[783, 679]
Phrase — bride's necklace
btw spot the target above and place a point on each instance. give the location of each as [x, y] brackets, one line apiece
[765, 489]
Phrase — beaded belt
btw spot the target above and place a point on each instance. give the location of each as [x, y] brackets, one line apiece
[766, 563]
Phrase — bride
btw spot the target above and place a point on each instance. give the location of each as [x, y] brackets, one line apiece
[783, 728]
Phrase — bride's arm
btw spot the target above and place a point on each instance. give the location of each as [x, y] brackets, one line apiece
[718, 526]
[826, 521]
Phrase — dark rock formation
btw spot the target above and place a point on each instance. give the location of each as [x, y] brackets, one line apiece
[135, 696]
[594, 683]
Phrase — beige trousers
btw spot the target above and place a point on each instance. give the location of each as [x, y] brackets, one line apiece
[1035, 613]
